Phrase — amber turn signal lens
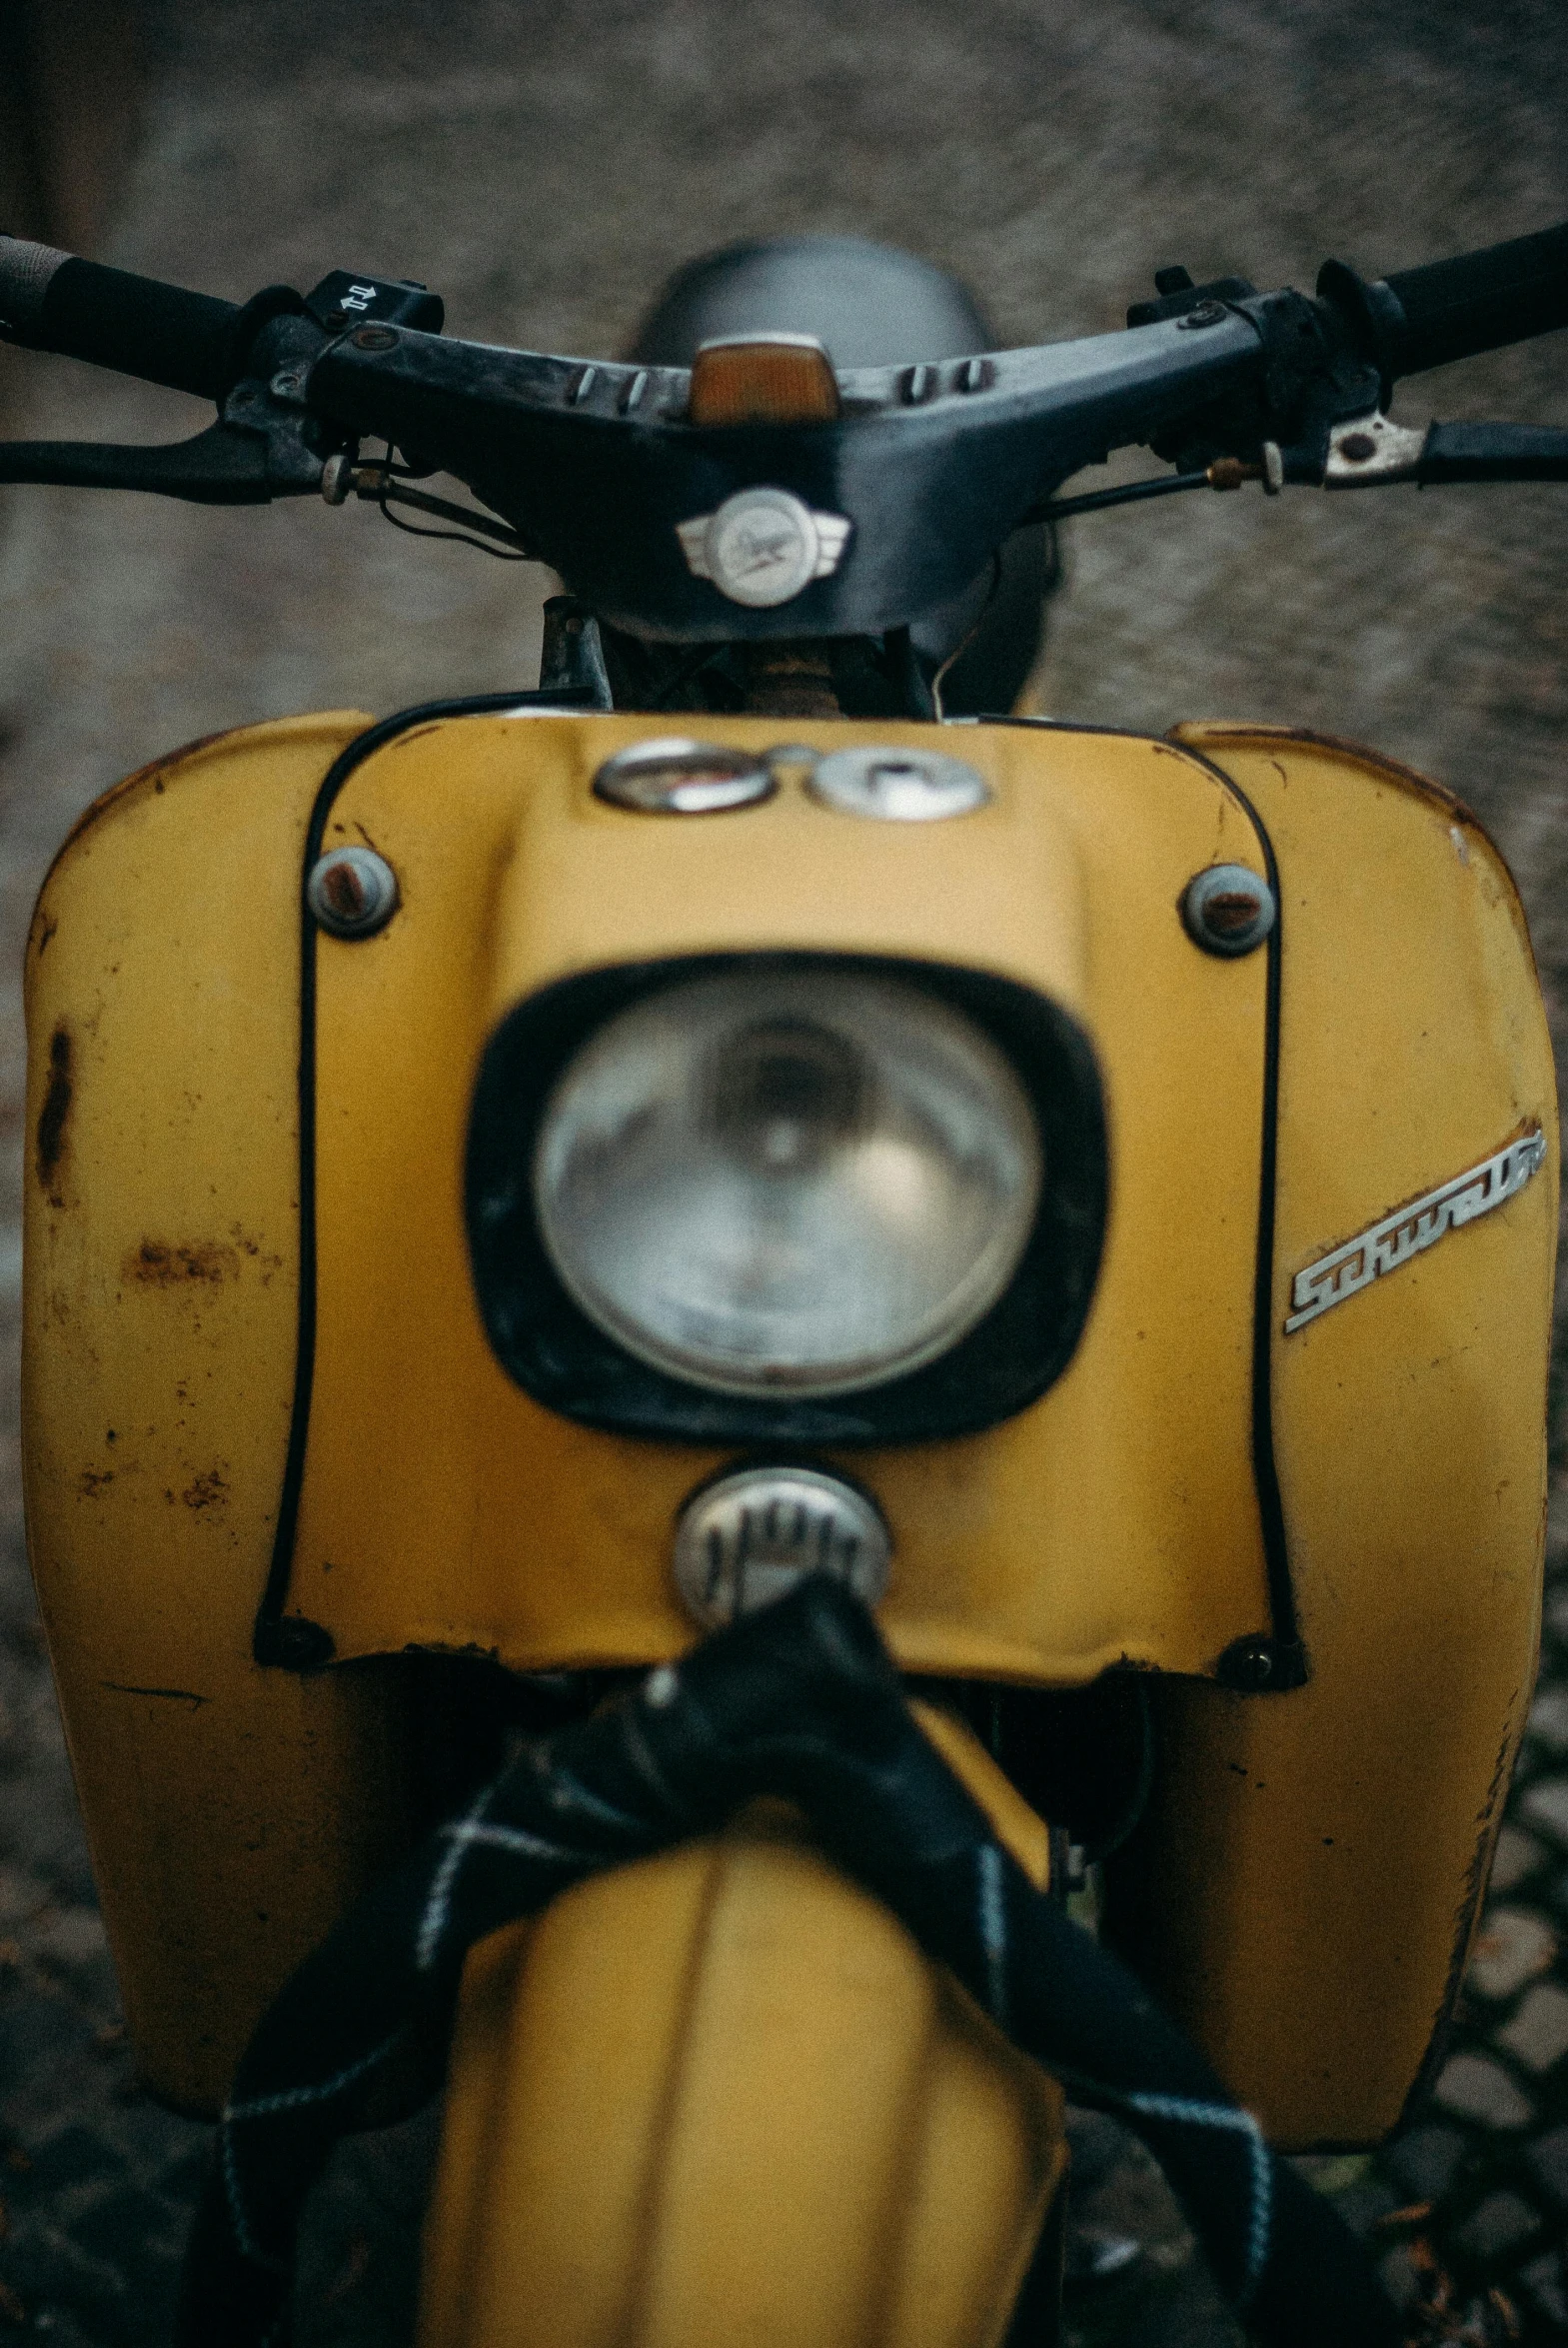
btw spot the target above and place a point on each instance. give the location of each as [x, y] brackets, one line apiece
[764, 379]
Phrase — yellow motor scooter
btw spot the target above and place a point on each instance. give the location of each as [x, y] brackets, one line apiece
[691, 1335]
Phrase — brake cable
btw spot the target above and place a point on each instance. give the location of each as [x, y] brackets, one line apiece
[939, 682]
[1226, 473]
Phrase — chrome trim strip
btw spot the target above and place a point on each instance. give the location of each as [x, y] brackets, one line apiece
[1409, 1230]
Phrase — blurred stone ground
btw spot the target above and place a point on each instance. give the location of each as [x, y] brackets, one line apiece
[545, 167]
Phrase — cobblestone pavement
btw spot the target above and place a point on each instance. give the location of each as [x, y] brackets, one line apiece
[545, 167]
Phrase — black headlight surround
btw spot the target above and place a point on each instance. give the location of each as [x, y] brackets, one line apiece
[548, 1344]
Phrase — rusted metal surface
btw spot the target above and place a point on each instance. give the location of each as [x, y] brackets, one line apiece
[156, 1264]
[54, 1115]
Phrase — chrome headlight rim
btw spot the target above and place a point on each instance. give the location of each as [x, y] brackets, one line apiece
[552, 1348]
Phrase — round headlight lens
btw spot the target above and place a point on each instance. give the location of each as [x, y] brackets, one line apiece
[765, 1180]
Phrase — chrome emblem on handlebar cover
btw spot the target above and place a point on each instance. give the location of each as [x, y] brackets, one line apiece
[1409, 1230]
[762, 546]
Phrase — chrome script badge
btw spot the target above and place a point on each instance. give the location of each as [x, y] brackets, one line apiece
[762, 546]
[1411, 1229]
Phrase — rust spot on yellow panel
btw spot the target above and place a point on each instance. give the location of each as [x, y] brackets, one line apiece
[234, 1811]
[157, 1264]
[153, 773]
[54, 1116]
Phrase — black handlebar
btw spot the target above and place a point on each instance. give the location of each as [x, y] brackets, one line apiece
[1419, 317]
[603, 471]
[1480, 301]
[51, 301]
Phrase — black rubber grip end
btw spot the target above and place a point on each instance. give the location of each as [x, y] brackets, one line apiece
[1481, 301]
[1493, 452]
[135, 324]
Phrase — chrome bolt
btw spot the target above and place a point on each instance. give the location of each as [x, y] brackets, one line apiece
[352, 891]
[1227, 910]
[751, 1536]
[897, 785]
[675, 777]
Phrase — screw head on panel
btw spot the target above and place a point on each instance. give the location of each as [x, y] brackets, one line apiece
[352, 891]
[1227, 910]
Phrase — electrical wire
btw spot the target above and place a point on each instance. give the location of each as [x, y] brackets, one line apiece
[503, 553]
[689, 668]
[962, 647]
[383, 485]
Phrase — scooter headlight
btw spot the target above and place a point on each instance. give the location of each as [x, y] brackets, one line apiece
[785, 1198]
[773, 1180]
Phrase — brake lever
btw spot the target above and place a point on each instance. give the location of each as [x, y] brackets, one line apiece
[1367, 452]
[256, 451]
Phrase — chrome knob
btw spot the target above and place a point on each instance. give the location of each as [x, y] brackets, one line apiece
[753, 1536]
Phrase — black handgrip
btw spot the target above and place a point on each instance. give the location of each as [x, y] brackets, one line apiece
[1479, 302]
[220, 467]
[51, 301]
[1492, 452]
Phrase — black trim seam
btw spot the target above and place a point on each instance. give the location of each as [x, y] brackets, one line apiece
[292, 1640]
[1272, 1662]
